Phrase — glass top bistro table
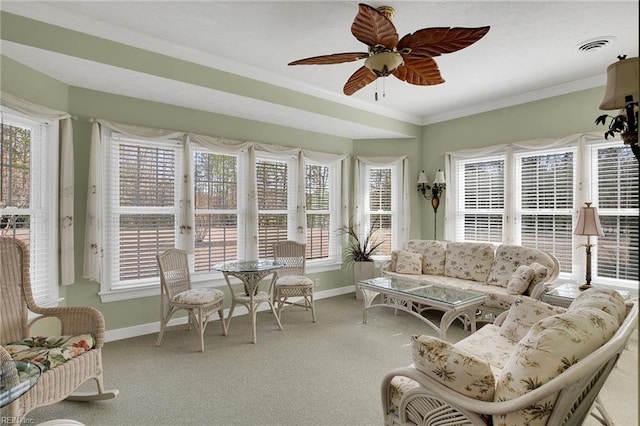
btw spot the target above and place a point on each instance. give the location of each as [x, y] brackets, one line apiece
[16, 378]
[416, 297]
[250, 272]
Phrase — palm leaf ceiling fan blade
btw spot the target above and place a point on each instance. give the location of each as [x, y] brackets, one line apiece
[409, 59]
[373, 28]
[358, 80]
[436, 41]
[336, 58]
[420, 71]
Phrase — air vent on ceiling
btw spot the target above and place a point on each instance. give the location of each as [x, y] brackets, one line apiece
[594, 44]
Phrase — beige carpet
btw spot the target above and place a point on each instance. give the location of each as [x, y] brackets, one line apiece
[327, 373]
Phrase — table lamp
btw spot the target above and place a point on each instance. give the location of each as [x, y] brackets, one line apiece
[588, 225]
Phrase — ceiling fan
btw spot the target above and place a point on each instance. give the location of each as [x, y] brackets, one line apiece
[409, 59]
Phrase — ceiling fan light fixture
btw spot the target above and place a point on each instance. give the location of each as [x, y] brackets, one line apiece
[383, 64]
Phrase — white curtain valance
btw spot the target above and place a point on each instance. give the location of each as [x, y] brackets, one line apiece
[147, 133]
[227, 146]
[381, 161]
[31, 109]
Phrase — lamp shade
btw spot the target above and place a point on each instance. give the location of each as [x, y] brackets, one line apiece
[439, 177]
[422, 178]
[622, 81]
[588, 222]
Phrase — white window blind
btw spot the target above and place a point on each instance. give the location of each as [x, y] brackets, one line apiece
[143, 193]
[272, 179]
[28, 191]
[616, 172]
[380, 206]
[216, 209]
[544, 203]
[318, 207]
[480, 202]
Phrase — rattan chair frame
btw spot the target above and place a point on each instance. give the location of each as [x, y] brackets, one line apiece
[175, 279]
[293, 255]
[16, 306]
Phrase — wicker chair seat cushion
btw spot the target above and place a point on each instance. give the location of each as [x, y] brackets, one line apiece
[455, 368]
[294, 281]
[198, 296]
[48, 352]
[496, 353]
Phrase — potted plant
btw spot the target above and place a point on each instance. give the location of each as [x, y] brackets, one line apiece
[623, 124]
[358, 252]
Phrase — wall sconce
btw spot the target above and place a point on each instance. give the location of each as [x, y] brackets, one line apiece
[622, 94]
[588, 225]
[437, 188]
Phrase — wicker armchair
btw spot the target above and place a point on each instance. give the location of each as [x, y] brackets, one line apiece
[16, 302]
[290, 280]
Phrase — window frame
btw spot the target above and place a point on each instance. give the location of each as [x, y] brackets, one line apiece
[43, 204]
[584, 189]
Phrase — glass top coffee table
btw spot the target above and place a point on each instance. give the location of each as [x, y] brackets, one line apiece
[416, 297]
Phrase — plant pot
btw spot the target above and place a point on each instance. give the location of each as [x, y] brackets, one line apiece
[363, 271]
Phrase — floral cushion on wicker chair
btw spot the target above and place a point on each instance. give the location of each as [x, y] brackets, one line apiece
[294, 280]
[523, 313]
[454, 368]
[50, 351]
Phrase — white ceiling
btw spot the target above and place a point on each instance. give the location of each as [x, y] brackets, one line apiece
[529, 53]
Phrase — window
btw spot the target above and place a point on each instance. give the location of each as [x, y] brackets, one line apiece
[143, 188]
[615, 170]
[381, 204]
[537, 205]
[28, 191]
[216, 209]
[143, 208]
[322, 201]
[272, 180]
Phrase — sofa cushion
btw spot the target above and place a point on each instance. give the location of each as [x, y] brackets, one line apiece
[454, 368]
[520, 280]
[433, 255]
[509, 257]
[550, 347]
[608, 300]
[50, 351]
[470, 261]
[409, 263]
[523, 313]
[497, 353]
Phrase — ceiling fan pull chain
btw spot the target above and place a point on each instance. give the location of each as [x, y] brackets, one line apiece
[376, 93]
[384, 87]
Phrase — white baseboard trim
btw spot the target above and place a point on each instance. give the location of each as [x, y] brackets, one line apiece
[154, 327]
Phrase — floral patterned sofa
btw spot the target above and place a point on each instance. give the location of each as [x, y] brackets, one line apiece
[502, 273]
[538, 364]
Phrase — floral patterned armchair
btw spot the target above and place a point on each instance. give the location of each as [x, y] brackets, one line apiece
[551, 375]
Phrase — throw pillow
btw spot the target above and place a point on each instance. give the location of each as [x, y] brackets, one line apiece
[605, 299]
[454, 368]
[524, 313]
[552, 346]
[433, 253]
[540, 274]
[409, 263]
[393, 264]
[520, 280]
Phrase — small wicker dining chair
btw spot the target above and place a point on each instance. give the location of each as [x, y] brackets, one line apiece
[290, 281]
[176, 293]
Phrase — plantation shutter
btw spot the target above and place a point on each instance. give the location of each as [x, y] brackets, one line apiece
[480, 200]
[544, 207]
[616, 252]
